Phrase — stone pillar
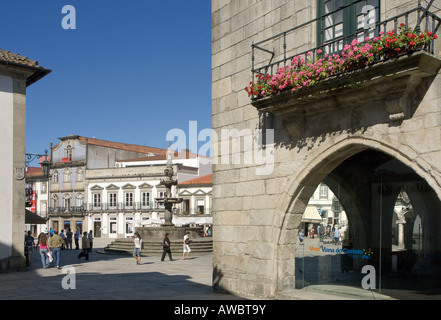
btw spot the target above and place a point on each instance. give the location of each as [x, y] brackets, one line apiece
[12, 170]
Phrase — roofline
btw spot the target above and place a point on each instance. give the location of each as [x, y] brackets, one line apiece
[39, 72]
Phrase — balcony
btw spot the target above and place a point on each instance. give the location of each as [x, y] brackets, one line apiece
[123, 207]
[72, 211]
[384, 86]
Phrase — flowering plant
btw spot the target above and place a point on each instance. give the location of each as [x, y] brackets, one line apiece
[301, 73]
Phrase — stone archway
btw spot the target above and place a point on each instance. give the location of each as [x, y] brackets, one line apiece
[326, 168]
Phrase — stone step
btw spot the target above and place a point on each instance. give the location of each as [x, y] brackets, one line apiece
[125, 246]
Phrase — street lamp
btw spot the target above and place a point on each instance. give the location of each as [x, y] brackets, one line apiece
[45, 165]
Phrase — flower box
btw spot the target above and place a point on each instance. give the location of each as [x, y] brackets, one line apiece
[395, 83]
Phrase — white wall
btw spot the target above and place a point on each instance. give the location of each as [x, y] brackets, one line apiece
[6, 165]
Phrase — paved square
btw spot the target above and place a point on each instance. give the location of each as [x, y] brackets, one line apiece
[110, 277]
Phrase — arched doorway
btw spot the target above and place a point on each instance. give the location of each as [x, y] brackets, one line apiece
[369, 181]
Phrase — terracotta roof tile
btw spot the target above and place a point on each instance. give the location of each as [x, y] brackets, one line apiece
[33, 171]
[7, 57]
[124, 146]
[207, 179]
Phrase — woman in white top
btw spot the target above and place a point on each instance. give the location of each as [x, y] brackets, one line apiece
[137, 251]
[186, 246]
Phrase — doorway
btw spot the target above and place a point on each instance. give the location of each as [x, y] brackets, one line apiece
[393, 226]
[97, 229]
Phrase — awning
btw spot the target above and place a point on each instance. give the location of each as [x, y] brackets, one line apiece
[311, 215]
[33, 218]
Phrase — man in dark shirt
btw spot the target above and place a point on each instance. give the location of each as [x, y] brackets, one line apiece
[69, 235]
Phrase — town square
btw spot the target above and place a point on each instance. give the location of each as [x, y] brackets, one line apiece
[247, 153]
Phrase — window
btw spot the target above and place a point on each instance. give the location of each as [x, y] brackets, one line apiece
[80, 175]
[145, 199]
[200, 206]
[55, 201]
[66, 175]
[343, 24]
[323, 191]
[66, 203]
[80, 200]
[129, 199]
[112, 200]
[43, 187]
[97, 200]
[68, 152]
[55, 176]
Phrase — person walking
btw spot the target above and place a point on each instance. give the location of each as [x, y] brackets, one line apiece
[85, 246]
[90, 237]
[337, 236]
[138, 245]
[43, 247]
[63, 236]
[29, 245]
[301, 236]
[186, 246]
[166, 247]
[68, 240]
[77, 239]
[55, 243]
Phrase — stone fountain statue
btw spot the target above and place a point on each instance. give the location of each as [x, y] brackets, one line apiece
[168, 200]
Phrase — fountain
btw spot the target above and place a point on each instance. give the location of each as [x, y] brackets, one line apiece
[152, 236]
[157, 233]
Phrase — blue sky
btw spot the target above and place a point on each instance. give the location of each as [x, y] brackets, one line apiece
[130, 72]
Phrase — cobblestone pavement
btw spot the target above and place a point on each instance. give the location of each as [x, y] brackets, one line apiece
[109, 277]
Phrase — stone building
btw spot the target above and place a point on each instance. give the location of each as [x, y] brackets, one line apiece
[70, 159]
[369, 127]
[16, 74]
[124, 197]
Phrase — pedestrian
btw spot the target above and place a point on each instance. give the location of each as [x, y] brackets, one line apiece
[29, 240]
[55, 243]
[85, 246]
[68, 240]
[63, 236]
[90, 237]
[29, 245]
[301, 236]
[186, 246]
[44, 250]
[337, 236]
[77, 239]
[138, 245]
[166, 248]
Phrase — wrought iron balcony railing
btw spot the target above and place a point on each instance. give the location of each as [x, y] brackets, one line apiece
[418, 19]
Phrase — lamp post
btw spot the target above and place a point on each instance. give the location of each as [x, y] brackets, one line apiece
[45, 165]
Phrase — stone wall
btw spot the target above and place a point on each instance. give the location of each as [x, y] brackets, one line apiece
[256, 216]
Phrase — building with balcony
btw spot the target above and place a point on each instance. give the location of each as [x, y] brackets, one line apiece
[344, 93]
[68, 188]
[124, 197]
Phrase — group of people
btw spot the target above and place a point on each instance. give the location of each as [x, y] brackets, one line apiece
[333, 233]
[166, 247]
[49, 244]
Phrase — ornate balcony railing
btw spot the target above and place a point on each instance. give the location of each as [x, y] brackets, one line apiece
[419, 20]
